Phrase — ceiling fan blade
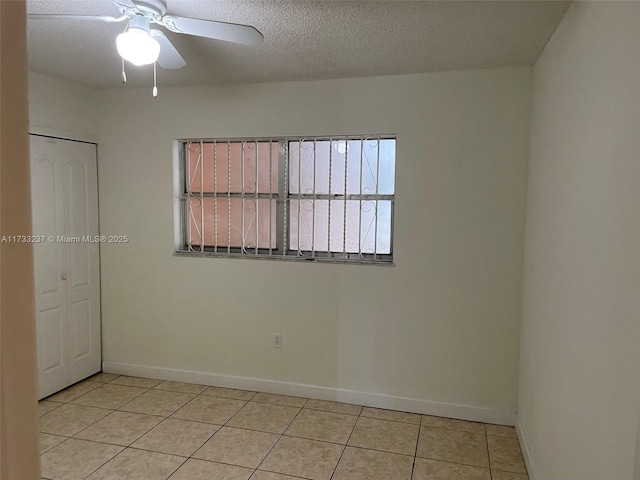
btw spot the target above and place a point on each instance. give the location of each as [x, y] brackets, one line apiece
[229, 32]
[97, 18]
[169, 57]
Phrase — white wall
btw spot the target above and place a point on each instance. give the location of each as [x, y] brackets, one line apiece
[62, 108]
[440, 326]
[579, 394]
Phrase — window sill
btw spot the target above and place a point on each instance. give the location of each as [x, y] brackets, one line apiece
[286, 258]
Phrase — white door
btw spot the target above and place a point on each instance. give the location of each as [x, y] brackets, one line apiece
[49, 262]
[67, 276]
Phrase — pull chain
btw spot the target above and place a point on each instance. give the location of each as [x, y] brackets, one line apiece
[155, 88]
[124, 75]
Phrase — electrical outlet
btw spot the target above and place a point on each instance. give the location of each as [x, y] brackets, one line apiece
[277, 340]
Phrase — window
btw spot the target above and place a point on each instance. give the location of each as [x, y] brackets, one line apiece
[323, 198]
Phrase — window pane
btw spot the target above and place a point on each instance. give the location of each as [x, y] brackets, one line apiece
[234, 165]
[302, 174]
[387, 167]
[235, 222]
[260, 167]
[384, 227]
[311, 228]
[366, 160]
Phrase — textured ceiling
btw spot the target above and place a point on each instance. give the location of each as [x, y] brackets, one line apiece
[303, 39]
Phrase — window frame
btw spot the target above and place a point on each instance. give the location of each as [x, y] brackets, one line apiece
[283, 199]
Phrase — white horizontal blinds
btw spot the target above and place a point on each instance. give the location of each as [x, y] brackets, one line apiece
[337, 195]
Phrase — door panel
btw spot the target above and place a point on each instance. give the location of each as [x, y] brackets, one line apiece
[77, 196]
[80, 330]
[43, 178]
[51, 337]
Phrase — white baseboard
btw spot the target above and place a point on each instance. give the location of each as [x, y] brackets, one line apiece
[526, 451]
[416, 405]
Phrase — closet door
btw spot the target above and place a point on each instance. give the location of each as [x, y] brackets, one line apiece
[49, 264]
[67, 277]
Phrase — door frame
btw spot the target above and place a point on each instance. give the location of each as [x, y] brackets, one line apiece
[63, 134]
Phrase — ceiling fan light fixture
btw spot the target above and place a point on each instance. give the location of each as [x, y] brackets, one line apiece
[136, 45]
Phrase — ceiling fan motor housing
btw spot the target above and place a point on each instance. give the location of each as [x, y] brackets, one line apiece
[154, 10]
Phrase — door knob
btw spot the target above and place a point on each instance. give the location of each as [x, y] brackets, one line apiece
[63, 276]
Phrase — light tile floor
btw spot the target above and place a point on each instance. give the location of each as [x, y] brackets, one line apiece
[111, 427]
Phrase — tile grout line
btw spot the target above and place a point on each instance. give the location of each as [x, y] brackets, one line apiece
[54, 408]
[285, 474]
[103, 464]
[486, 441]
[454, 430]
[114, 409]
[451, 463]
[85, 380]
[344, 449]
[102, 408]
[154, 389]
[395, 421]
[83, 428]
[280, 438]
[108, 415]
[415, 453]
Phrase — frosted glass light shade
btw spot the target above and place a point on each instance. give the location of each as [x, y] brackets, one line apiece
[138, 47]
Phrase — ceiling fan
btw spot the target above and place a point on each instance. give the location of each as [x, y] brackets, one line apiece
[142, 45]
